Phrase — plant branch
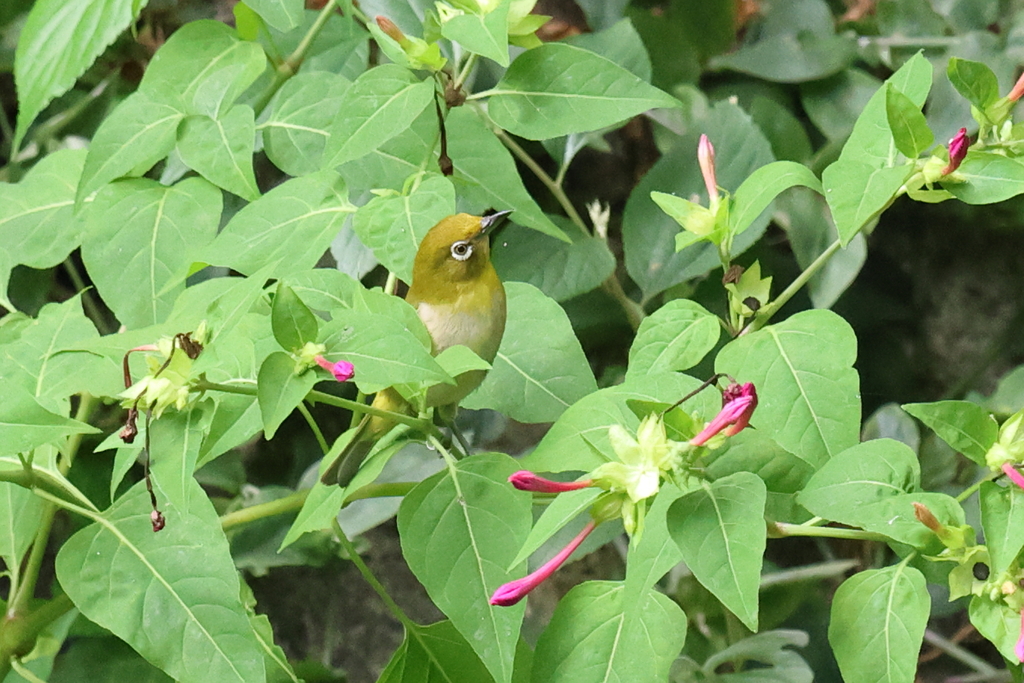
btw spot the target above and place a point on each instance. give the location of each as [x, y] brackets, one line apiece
[88, 296]
[813, 572]
[467, 67]
[765, 314]
[958, 653]
[969, 491]
[377, 586]
[314, 427]
[786, 530]
[281, 506]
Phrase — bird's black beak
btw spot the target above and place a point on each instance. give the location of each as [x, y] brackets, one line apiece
[490, 224]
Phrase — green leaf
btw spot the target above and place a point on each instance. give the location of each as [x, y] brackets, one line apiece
[489, 172]
[296, 132]
[989, 178]
[141, 131]
[558, 89]
[877, 625]
[459, 530]
[540, 369]
[601, 633]
[58, 42]
[293, 323]
[383, 351]
[175, 439]
[720, 531]
[998, 623]
[910, 130]
[966, 427]
[791, 58]
[173, 596]
[762, 186]
[324, 289]
[561, 270]
[37, 224]
[280, 390]
[206, 65]
[833, 104]
[568, 444]
[147, 235]
[379, 105]
[484, 34]
[435, 652]
[655, 552]
[649, 234]
[24, 424]
[620, 43]
[220, 149]
[808, 398]
[20, 514]
[1002, 518]
[674, 338]
[284, 15]
[44, 474]
[103, 659]
[974, 80]
[288, 229]
[394, 226]
[767, 649]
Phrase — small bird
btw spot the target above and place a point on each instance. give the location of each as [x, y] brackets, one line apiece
[458, 296]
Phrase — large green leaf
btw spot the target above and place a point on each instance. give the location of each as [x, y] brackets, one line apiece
[298, 127]
[288, 229]
[997, 622]
[540, 369]
[791, 58]
[37, 225]
[220, 149]
[459, 530]
[557, 89]
[24, 424]
[910, 130]
[393, 226]
[489, 172]
[989, 177]
[808, 398]
[649, 234]
[674, 338]
[58, 42]
[860, 476]
[206, 65]
[173, 596]
[966, 427]
[20, 513]
[293, 323]
[379, 105]
[877, 625]
[141, 131]
[567, 445]
[720, 532]
[280, 390]
[601, 633]
[1002, 518]
[974, 80]
[147, 234]
[284, 15]
[558, 269]
[437, 652]
[484, 34]
[756, 193]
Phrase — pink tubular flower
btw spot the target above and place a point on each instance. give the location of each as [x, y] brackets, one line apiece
[738, 403]
[1018, 649]
[706, 159]
[514, 591]
[1018, 90]
[1015, 476]
[343, 371]
[958, 145]
[525, 480]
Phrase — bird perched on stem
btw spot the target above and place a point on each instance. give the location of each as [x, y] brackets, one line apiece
[458, 296]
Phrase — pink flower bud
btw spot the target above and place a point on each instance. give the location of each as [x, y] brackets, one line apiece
[706, 159]
[738, 403]
[514, 591]
[1015, 476]
[343, 371]
[958, 145]
[390, 29]
[525, 480]
[1018, 90]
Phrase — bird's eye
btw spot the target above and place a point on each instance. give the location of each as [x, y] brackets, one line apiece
[462, 250]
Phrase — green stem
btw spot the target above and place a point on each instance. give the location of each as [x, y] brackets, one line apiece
[969, 491]
[21, 634]
[765, 314]
[53, 125]
[24, 672]
[635, 313]
[958, 653]
[281, 506]
[368, 576]
[814, 572]
[314, 426]
[394, 489]
[290, 66]
[785, 530]
[88, 297]
[467, 67]
[351, 8]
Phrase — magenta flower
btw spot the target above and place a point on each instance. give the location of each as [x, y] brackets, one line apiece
[1017, 91]
[738, 403]
[343, 371]
[1018, 649]
[1015, 476]
[525, 480]
[706, 160]
[958, 145]
[514, 591]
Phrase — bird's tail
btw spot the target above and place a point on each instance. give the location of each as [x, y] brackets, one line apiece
[370, 429]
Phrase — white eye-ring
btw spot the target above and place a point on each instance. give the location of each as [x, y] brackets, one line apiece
[462, 250]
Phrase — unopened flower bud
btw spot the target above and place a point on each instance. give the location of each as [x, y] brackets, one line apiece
[1018, 90]
[925, 516]
[390, 29]
[706, 159]
[524, 480]
[958, 145]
